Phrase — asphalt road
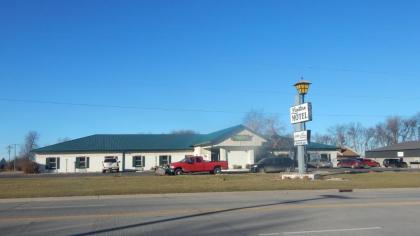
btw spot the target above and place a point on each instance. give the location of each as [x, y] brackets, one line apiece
[363, 212]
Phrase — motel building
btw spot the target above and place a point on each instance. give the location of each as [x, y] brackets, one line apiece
[138, 152]
[237, 145]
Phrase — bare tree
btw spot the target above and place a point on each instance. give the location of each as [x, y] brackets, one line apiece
[393, 125]
[382, 137]
[395, 130]
[369, 139]
[262, 123]
[339, 134]
[183, 131]
[61, 140]
[408, 129]
[31, 140]
[356, 136]
[325, 139]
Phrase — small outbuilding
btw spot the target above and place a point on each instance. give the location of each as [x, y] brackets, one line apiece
[409, 152]
[346, 152]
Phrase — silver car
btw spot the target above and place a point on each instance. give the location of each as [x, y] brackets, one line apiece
[319, 164]
[110, 164]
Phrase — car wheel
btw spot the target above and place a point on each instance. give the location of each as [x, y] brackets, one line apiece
[217, 170]
[178, 172]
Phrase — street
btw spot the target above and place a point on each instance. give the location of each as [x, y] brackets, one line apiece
[326, 212]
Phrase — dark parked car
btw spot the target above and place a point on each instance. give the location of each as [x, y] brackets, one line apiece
[396, 163]
[273, 164]
[350, 163]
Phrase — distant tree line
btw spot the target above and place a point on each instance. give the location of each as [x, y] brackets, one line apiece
[392, 130]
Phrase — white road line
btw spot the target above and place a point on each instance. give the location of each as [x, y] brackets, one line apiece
[322, 231]
[56, 207]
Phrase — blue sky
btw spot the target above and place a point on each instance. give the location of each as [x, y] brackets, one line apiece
[196, 57]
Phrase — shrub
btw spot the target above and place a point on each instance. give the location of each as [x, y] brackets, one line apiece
[28, 166]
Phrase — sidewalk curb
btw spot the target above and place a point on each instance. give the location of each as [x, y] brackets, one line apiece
[177, 195]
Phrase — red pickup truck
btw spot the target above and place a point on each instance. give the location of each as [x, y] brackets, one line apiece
[192, 164]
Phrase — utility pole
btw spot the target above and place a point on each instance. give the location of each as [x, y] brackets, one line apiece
[418, 134]
[14, 160]
[9, 147]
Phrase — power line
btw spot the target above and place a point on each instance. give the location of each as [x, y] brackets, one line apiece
[116, 106]
[288, 93]
[170, 109]
[343, 69]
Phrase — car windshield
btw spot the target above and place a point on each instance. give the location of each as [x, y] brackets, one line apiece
[262, 161]
[110, 160]
[187, 160]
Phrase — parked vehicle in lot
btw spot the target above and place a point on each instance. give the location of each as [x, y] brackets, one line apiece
[319, 164]
[191, 164]
[110, 164]
[273, 164]
[350, 163]
[396, 163]
[369, 162]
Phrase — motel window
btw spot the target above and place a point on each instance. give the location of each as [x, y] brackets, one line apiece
[138, 161]
[82, 162]
[325, 157]
[52, 163]
[164, 160]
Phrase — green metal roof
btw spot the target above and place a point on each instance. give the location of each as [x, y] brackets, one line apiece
[140, 142]
[152, 142]
[287, 143]
[319, 146]
[219, 136]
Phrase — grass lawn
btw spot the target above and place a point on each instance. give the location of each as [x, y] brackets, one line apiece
[110, 185]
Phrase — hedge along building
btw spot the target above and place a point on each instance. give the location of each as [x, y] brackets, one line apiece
[407, 151]
[237, 145]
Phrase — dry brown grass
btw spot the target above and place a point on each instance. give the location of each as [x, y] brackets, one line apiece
[110, 185]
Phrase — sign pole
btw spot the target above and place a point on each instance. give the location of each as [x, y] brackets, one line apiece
[301, 148]
[299, 115]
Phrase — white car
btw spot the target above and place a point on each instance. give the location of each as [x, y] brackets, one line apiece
[110, 164]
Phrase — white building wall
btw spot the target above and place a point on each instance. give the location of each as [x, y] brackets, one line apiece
[202, 151]
[152, 158]
[237, 159]
[223, 154]
[255, 141]
[67, 161]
